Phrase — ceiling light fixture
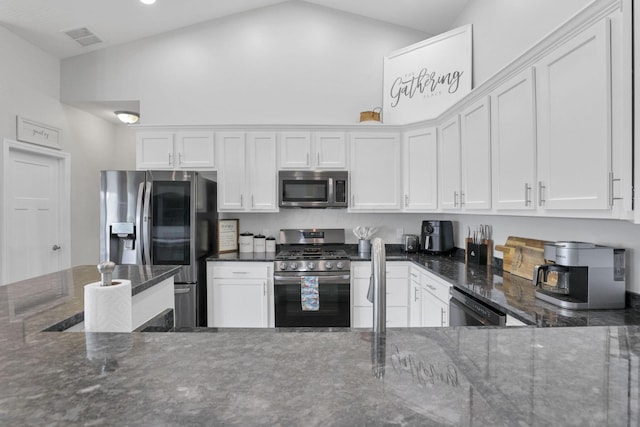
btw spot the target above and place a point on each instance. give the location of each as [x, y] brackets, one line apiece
[147, 1]
[127, 117]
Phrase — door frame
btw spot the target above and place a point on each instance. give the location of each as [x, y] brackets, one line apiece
[64, 221]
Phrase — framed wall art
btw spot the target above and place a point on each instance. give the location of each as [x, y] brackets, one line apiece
[228, 232]
[422, 80]
[37, 133]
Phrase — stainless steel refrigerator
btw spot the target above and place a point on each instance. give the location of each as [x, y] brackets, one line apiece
[162, 218]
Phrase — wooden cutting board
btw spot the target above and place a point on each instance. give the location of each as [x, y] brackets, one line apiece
[521, 255]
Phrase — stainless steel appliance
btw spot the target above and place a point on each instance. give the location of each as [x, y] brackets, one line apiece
[581, 275]
[161, 218]
[465, 310]
[312, 255]
[410, 243]
[313, 189]
[437, 237]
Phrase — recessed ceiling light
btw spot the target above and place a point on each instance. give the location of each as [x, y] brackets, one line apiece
[147, 1]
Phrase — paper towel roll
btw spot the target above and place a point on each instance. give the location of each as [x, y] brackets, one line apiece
[108, 308]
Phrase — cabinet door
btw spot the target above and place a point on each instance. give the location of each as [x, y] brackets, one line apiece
[262, 174]
[295, 150]
[574, 122]
[513, 141]
[375, 172]
[330, 150]
[195, 150]
[415, 299]
[231, 176]
[449, 164]
[475, 141]
[154, 150]
[435, 313]
[420, 167]
[239, 304]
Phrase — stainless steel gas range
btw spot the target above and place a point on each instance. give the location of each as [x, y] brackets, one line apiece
[312, 279]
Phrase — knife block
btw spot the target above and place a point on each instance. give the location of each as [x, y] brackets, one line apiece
[478, 253]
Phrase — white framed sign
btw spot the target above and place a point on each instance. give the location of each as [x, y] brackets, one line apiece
[37, 133]
[422, 80]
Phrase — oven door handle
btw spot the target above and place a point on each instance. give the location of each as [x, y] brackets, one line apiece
[292, 280]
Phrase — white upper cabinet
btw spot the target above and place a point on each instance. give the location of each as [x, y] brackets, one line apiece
[247, 179]
[262, 173]
[574, 122]
[181, 150]
[475, 142]
[231, 177]
[374, 172]
[420, 170]
[465, 159]
[449, 164]
[513, 132]
[317, 150]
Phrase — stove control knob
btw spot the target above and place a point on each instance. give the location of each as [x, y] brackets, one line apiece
[294, 265]
[283, 266]
[328, 265]
[340, 265]
[311, 265]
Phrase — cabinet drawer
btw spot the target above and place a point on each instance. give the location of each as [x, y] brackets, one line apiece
[439, 288]
[241, 271]
[397, 292]
[394, 270]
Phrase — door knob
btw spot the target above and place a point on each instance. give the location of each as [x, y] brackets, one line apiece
[56, 247]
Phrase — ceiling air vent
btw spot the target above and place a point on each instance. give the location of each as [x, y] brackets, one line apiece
[83, 36]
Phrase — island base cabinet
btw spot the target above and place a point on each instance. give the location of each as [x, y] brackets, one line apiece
[239, 295]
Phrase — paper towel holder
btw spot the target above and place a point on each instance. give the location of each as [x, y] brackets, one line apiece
[105, 269]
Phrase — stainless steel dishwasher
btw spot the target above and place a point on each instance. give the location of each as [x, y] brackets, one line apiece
[185, 309]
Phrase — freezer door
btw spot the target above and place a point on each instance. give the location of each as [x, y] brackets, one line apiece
[185, 311]
[121, 195]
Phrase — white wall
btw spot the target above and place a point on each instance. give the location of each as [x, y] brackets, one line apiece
[504, 29]
[290, 63]
[29, 87]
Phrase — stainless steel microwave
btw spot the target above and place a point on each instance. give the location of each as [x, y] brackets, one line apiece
[313, 189]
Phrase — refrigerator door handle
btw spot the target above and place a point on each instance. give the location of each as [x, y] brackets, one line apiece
[139, 226]
[146, 226]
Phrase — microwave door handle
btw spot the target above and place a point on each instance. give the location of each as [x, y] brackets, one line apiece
[146, 226]
[139, 225]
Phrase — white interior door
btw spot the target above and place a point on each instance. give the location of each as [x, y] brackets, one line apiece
[36, 208]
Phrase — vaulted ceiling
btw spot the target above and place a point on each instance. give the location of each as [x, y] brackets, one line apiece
[44, 22]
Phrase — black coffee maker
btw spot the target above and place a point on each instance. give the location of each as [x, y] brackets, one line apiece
[437, 237]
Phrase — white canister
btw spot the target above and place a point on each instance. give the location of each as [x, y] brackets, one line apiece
[270, 245]
[258, 243]
[245, 242]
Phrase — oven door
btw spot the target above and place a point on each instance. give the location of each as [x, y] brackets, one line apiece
[464, 310]
[334, 296]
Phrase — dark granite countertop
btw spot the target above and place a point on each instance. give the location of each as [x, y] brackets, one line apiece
[32, 305]
[505, 292]
[413, 377]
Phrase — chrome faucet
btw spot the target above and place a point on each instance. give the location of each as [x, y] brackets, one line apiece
[377, 293]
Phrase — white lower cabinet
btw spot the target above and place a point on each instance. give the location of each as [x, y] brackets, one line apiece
[397, 295]
[429, 299]
[239, 294]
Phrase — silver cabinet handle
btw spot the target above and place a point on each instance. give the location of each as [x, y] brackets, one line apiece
[541, 188]
[239, 272]
[170, 156]
[318, 158]
[241, 201]
[264, 288]
[527, 194]
[442, 320]
[56, 248]
[180, 158]
[455, 199]
[612, 179]
[308, 163]
[406, 200]
[461, 199]
[415, 294]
